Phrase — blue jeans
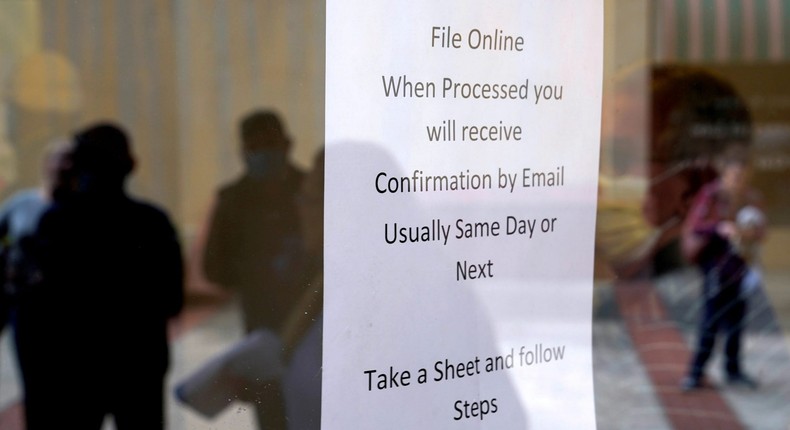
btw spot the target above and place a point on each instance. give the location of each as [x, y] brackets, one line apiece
[724, 310]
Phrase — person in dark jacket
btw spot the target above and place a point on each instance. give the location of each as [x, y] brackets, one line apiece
[254, 245]
[92, 320]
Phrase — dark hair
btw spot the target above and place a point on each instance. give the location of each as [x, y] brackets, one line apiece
[103, 150]
[261, 122]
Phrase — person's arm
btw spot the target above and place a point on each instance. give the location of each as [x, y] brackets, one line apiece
[700, 225]
[172, 271]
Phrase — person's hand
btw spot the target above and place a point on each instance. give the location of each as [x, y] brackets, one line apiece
[727, 229]
[750, 234]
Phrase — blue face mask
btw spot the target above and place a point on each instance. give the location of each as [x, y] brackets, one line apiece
[263, 163]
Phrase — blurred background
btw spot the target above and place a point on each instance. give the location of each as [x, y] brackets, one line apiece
[654, 156]
[180, 74]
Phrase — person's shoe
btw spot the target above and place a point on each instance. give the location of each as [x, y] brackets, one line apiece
[742, 381]
[690, 383]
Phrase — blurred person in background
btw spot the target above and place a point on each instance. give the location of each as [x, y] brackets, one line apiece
[254, 244]
[19, 216]
[92, 319]
[723, 248]
[289, 357]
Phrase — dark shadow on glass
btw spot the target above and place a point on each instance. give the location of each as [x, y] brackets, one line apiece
[95, 287]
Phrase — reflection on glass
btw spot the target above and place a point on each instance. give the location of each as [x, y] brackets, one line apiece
[179, 75]
[683, 156]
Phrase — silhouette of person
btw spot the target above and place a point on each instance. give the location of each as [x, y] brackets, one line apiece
[92, 321]
[254, 245]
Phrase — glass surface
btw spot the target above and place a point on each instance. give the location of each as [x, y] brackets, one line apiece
[209, 92]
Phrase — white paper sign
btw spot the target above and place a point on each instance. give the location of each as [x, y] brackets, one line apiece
[462, 145]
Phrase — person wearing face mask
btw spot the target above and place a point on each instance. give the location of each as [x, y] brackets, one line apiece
[254, 246]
